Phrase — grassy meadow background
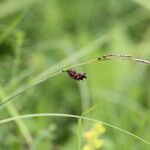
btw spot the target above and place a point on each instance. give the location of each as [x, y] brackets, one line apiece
[41, 37]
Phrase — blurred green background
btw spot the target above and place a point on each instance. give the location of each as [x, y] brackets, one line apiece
[39, 37]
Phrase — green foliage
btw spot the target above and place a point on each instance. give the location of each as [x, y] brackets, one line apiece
[41, 37]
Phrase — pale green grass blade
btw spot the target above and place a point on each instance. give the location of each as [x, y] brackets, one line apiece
[18, 79]
[53, 71]
[79, 133]
[99, 59]
[75, 56]
[25, 88]
[20, 123]
[73, 116]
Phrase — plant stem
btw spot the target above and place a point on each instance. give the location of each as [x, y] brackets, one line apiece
[20, 123]
[26, 87]
[72, 116]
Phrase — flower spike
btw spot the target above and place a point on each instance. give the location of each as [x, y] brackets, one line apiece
[76, 75]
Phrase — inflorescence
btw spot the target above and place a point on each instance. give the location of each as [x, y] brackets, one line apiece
[76, 75]
[81, 76]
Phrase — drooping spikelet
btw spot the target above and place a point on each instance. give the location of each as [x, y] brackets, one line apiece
[76, 75]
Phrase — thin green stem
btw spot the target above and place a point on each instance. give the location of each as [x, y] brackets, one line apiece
[122, 57]
[72, 116]
[20, 123]
[24, 88]
[79, 133]
[80, 64]
[99, 59]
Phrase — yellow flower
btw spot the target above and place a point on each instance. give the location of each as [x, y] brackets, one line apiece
[89, 135]
[87, 147]
[98, 143]
[99, 128]
[92, 137]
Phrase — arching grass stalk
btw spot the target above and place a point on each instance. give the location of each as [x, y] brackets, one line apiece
[110, 57]
[24, 88]
[72, 116]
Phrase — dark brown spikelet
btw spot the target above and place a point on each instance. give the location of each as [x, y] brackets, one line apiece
[76, 75]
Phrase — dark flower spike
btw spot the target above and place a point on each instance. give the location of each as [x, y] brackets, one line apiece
[76, 75]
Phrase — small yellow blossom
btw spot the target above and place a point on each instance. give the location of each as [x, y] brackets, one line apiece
[89, 135]
[87, 147]
[98, 143]
[99, 128]
[92, 137]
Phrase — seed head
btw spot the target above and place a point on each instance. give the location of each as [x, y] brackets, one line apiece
[76, 75]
